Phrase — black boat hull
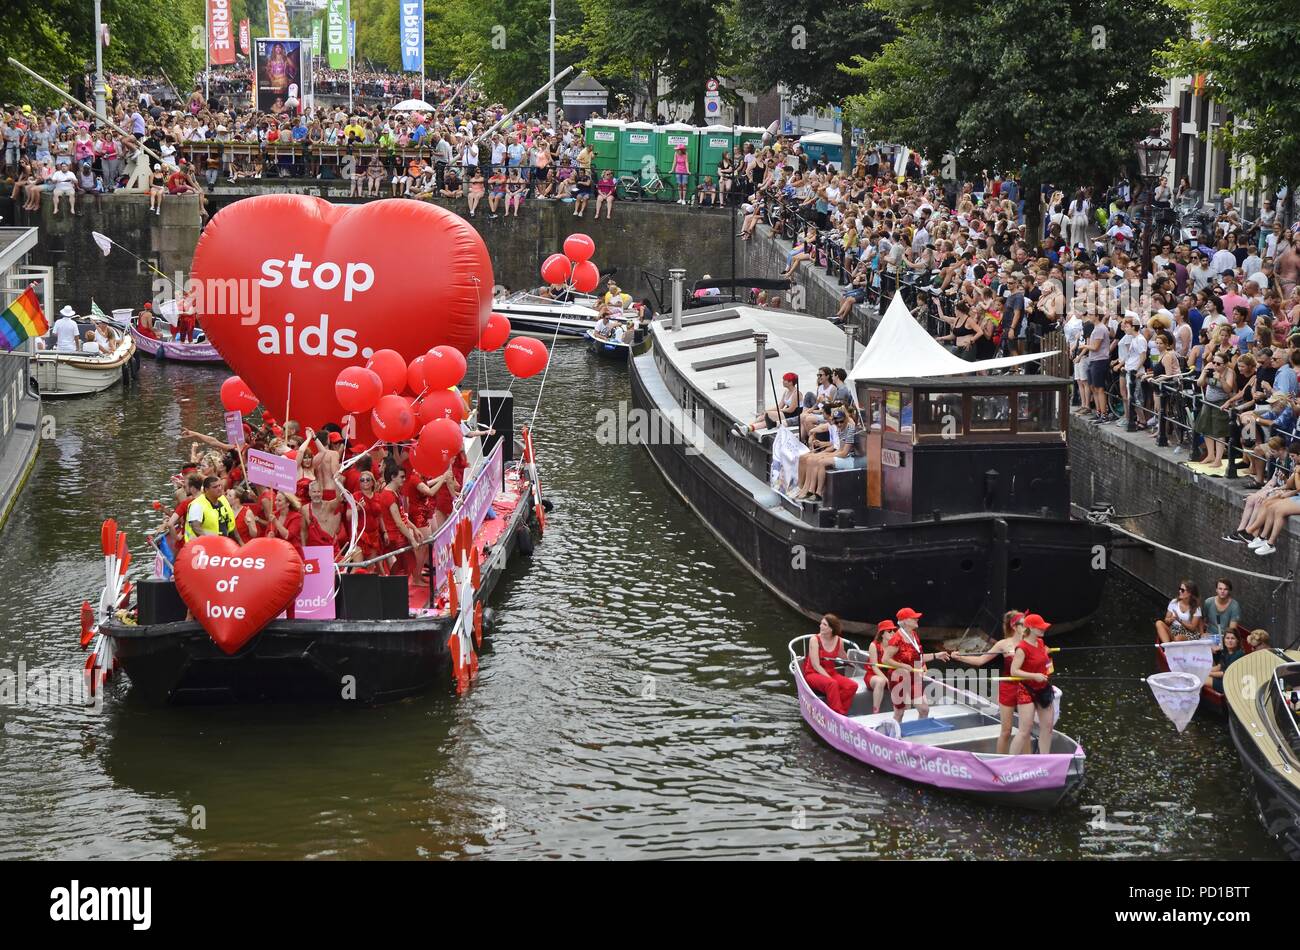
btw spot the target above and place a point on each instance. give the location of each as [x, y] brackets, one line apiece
[1276, 802]
[961, 572]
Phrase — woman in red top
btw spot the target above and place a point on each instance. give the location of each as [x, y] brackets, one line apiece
[286, 522]
[1033, 664]
[419, 492]
[821, 674]
[874, 676]
[370, 514]
[902, 653]
[1013, 631]
[448, 486]
[396, 532]
[244, 503]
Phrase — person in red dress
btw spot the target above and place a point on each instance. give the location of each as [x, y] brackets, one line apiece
[244, 503]
[1013, 631]
[902, 654]
[394, 527]
[448, 486]
[874, 676]
[370, 513]
[821, 674]
[1033, 665]
[286, 520]
[419, 492]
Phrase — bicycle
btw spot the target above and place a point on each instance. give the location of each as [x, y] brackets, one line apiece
[637, 189]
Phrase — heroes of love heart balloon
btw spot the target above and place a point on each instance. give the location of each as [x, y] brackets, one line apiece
[320, 287]
[233, 591]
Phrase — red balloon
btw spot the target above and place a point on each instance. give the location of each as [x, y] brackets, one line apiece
[579, 248]
[443, 366]
[391, 369]
[357, 389]
[236, 397]
[439, 443]
[495, 333]
[585, 277]
[393, 419]
[344, 273]
[442, 404]
[525, 356]
[415, 375]
[234, 612]
[555, 269]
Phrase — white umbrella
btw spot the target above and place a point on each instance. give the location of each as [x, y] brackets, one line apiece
[413, 105]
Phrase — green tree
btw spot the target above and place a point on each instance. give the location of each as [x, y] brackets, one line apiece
[801, 43]
[1247, 50]
[1051, 92]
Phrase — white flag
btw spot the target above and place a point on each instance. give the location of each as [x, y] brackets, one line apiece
[1178, 695]
[1190, 656]
[102, 241]
[786, 449]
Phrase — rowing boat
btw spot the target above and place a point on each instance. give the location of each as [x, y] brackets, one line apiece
[954, 748]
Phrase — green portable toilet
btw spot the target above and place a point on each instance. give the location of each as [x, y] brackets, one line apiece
[636, 143]
[749, 133]
[602, 138]
[670, 136]
[714, 141]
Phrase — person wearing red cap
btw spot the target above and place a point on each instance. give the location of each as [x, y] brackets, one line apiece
[874, 676]
[1009, 691]
[144, 322]
[1032, 664]
[820, 673]
[902, 653]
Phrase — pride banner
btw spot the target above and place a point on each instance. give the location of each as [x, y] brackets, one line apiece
[221, 44]
[316, 30]
[476, 499]
[412, 35]
[277, 19]
[336, 40]
[245, 37]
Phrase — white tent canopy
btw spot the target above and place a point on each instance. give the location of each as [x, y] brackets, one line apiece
[901, 347]
[413, 105]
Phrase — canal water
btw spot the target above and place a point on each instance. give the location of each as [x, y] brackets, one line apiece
[635, 703]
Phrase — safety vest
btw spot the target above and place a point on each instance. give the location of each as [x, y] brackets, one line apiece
[217, 519]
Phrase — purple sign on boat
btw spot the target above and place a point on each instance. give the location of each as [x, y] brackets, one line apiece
[316, 599]
[235, 427]
[475, 499]
[947, 768]
[273, 471]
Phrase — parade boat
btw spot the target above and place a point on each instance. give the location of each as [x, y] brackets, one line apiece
[60, 374]
[954, 748]
[365, 637]
[547, 317]
[1263, 694]
[963, 505]
[165, 345]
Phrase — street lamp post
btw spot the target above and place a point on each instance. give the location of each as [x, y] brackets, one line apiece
[550, 96]
[99, 61]
[1153, 155]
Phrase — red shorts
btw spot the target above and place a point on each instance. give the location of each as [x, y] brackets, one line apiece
[1009, 694]
[898, 686]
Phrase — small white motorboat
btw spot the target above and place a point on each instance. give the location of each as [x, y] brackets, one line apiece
[954, 748]
[547, 317]
[75, 373]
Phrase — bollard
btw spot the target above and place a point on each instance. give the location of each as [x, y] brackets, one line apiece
[760, 370]
[1234, 443]
[677, 275]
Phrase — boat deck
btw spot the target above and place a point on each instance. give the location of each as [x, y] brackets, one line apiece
[507, 501]
[1256, 714]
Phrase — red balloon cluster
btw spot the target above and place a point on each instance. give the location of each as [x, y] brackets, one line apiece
[401, 397]
[574, 266]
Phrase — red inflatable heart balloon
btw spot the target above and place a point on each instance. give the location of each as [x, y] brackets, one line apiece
[235, 591]
[319, 287]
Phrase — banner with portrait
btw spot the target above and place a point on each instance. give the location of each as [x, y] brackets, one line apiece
[278, 75]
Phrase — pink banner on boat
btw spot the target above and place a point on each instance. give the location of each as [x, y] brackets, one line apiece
[947, 768]
[316, 599]
[273, 471]
[235, 427]
[475, 499]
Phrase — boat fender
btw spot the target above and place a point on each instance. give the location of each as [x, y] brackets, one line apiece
[524, 540]
[766, 498]
[547, 505]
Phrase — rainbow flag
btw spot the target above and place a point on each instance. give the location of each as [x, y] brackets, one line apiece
[22, 320]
